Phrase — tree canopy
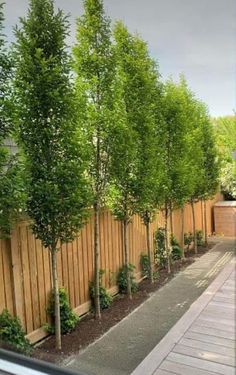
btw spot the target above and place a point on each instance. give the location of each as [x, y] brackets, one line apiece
[225, 134]
[45, 113]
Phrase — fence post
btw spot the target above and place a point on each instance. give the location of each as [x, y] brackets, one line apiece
[17, 276]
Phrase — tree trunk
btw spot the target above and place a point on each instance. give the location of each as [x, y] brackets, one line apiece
[96, 262]
[167, 239]
[202, 216]
[182, 233]
[194, 227]
[205, 223]
[126, 251]
[56, 297]
[150, 255]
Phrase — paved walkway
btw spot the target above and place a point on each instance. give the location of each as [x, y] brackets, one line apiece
[126, 345]
[203, 342]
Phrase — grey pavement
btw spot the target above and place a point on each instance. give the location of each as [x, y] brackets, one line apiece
[120, 350]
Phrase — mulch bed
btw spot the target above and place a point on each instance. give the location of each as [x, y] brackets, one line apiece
[89, 329]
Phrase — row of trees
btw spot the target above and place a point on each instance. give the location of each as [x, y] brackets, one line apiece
[99, 127]
[225, 129]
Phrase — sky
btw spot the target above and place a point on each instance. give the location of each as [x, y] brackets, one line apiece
[193, 37]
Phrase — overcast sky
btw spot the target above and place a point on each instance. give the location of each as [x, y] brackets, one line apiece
[194, 37]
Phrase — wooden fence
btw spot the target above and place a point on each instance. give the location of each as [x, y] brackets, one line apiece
[25, 271]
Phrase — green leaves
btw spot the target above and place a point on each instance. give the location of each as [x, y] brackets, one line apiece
[93, 64]
[11, 183]
[12, 335]
[176, 143]
[225, 134]
[105, 297]
[68, 318]
[12, 192]
[46, 117]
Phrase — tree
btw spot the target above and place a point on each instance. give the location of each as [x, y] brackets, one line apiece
[11, 192]
[93, 64]
[47, 132]
[126, 141]
[225, 134]
[195, 154]
[204, 162]
[147, 123]
[175, 143]
[211, 163]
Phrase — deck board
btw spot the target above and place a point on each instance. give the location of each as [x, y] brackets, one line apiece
[182, 369]
[203, 341]
[210, 339]
[215, 348]
[203, 364]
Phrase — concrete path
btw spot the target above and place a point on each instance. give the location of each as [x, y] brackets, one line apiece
[203, 341]
[125, 346]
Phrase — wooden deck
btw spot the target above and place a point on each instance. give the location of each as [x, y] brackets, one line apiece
[203, 341]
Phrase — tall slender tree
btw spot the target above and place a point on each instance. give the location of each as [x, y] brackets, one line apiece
[93, 64]
[195, 155]
[175, 140]
[203, 168]
[47, 129]
[147, 120]
[126, 138]
[209, 183]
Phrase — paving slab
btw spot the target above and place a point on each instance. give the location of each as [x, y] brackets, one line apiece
[127, 344]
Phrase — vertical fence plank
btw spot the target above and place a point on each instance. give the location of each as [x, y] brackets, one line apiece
[76, 271]
[106, 249]
[26, 279]
[17, 276]
[33, 281]
[85, 265]
[81, 276]
[47, 274]
[59, 267]
[3, 304]
[7, 266]
[64, 266]
[71, 274]
[89, 235]
[40, 280]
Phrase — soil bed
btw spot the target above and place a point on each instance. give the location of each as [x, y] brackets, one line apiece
[88, 329]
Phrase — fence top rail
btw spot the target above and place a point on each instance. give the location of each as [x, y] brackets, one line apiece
[225, 204]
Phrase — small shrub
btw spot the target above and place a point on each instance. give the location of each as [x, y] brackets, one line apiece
[145, 266]
[160, 253]
[68, 318]
[199, 234]
[105, 297]
[188, 239]
[12, 335]
[176, 249]
[122, 279]
[156, 275]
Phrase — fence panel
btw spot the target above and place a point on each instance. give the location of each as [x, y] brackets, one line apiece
[25, 267]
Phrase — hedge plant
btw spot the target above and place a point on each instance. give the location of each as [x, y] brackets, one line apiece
[104, 297]
[122, 279]
[68, 318]
[12, 334]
